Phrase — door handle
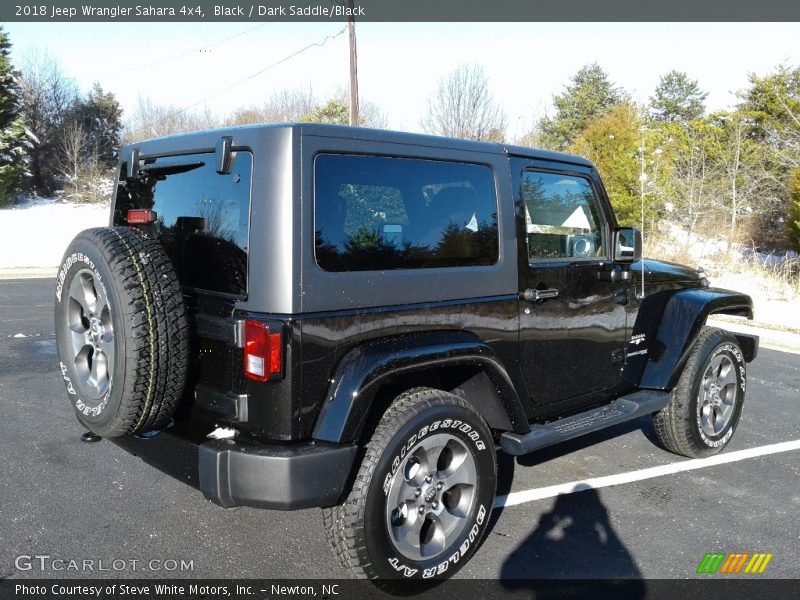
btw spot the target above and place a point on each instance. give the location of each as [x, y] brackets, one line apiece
[531, 295]
[615, 275]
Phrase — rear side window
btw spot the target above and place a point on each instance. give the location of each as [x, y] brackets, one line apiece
[375, 213]
[202, 217]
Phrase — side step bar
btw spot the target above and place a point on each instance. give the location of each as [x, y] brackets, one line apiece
[622, 409]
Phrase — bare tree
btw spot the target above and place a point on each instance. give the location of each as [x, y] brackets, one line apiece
[281, 107]
[293, 105]
[740, 164]
[369, 113]
[289, 105]
[690, 183]
[79, 166]
[46, 99]
[149, 120]
[71, 157]
[463, 107]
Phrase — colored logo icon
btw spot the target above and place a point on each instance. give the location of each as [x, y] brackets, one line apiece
[734, 563]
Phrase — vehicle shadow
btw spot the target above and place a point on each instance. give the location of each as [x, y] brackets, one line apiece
[574, 545]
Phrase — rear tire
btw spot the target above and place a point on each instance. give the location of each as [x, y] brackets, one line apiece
[704, 411]
[421, 501]
[121, 331]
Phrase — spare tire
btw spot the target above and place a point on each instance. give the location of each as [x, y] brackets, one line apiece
[121, 331]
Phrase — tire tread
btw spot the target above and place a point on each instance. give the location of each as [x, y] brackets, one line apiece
[344, 523]
[673, 425]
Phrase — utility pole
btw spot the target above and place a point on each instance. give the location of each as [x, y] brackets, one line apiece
[351, 27]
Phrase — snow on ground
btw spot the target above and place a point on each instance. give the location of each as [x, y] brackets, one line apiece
[774, 302]
[776, 296]
[36, 234]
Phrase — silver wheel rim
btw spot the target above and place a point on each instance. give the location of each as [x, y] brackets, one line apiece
[717, 395]
[430, 497]
[91, 334]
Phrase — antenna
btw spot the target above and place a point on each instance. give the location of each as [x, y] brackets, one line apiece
[642, 179]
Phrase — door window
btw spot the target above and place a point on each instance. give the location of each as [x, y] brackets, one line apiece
[562, 219]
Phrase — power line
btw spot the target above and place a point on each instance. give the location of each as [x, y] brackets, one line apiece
[319, 44]
[184, 54]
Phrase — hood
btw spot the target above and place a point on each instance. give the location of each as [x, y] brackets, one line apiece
[663, 271]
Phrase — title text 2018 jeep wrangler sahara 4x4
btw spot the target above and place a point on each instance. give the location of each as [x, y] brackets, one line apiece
[290, 316]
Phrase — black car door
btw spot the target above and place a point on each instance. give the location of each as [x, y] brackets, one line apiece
[572, 317]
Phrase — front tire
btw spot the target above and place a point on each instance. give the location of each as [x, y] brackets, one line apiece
[421, 501]
[704, 411]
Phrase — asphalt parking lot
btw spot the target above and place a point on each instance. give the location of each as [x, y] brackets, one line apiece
[75, 501]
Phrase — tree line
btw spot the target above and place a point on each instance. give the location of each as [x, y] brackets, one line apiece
[734, 172]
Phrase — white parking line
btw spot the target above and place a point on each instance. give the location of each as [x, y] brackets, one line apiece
[600, 482]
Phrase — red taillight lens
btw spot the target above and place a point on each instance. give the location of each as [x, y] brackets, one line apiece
[263, 351]
[141, 216]
[275, 353]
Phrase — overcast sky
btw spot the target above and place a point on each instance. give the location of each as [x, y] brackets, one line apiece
[400, 63]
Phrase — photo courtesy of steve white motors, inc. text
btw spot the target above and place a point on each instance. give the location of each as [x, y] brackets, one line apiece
[171, 589]
[243, 11]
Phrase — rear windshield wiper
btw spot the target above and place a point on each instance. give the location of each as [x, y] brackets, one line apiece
[154, 170]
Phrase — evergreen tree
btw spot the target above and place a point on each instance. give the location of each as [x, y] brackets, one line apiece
[14, 142]
[611, 142]
[794, 209]
[100, 116]
[772, 106]
[334, 112]
[773, 102]
[589, 96]
[677, 99]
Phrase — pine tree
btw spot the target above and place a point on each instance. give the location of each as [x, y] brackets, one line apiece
[677, 99]
[100, 116]
[589, 96]
[772, 105]
[611, 142]
[14, 140]
[333, 112]
[794, 209]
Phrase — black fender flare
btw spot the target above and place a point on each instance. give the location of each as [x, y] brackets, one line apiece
[679, 319]
[362, 369]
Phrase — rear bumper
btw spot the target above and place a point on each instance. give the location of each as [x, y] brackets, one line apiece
[232, 473]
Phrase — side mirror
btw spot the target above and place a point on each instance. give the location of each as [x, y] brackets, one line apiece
[627, 244]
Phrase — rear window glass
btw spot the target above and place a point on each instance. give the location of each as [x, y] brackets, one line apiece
[202, 217]
[374, 213]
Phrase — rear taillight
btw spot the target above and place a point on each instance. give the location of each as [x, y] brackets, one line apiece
[141, 216]
[263, 351]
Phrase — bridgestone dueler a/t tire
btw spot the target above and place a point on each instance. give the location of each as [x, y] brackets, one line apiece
[121, 331]
[360, 531]
[679, 425]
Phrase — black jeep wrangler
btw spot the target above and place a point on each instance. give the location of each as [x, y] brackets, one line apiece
[291, 316]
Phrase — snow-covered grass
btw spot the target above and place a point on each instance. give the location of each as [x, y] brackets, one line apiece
[37, 233]
[775, 288]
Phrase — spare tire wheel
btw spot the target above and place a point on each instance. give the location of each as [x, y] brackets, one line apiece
[121, 331]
